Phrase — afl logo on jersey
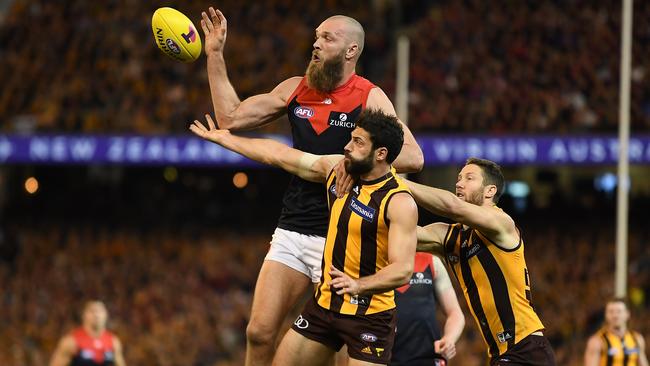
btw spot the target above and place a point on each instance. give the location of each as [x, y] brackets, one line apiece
[303, 112]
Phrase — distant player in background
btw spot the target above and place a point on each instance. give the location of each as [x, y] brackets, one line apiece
[615, 344]
[322, 107]
[91, 344]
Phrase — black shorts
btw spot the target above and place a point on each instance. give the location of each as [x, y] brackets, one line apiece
[436, 360]
[368, 337]
[534, 350]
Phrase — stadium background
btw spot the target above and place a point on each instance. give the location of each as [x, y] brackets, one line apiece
[174, 250]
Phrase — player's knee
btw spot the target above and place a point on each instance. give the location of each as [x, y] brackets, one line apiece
[260, 334]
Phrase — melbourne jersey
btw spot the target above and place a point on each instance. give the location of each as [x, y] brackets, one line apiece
[496, 286]
[320, 124]
[619, 351]
[417, 326]
[93, 351]
[357, 242]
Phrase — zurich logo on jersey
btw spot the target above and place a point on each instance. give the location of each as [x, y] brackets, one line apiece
[303, 112]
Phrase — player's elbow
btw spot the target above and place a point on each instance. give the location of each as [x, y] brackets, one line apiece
[404, 273]
[458, 317]
[226, 121]
[412, 162]
[417, 162]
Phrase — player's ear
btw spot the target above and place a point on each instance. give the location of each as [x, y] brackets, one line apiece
[381, 154]
[352, 51]
[490, 191]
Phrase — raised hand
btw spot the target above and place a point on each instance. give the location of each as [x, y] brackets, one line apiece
[215, 28]
[211, 133]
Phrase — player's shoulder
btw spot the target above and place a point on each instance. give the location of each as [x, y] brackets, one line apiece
[401, 202]
[596, 339]
[638, 336]
[360, 81]
[287, 87]
[68, 343]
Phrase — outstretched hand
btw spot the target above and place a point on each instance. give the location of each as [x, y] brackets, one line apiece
[215, 29]
[344, 283]
[211, 133]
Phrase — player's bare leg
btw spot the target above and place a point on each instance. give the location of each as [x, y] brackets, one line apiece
[277, 290]
[297, 350]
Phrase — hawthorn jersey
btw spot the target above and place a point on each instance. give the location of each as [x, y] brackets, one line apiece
[93, 351]
[320, 124]
[496, 285]
[623, 351]
[357, 242]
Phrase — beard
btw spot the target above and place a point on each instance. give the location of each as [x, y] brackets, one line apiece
[476, 198]
[324, 76]
[358, 167]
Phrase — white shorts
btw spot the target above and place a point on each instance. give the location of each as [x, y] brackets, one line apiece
[304, 253]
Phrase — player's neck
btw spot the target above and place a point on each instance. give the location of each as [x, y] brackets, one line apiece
[377, 172]
[347, 74]
[618, 331]
[95, 333]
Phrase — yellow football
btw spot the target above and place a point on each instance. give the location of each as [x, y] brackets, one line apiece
[175, 35]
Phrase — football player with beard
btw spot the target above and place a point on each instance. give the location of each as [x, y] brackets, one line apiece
[370, 244]
[485, 251]
[322, 107]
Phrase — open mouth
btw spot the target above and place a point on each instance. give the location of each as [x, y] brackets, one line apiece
[314, 57]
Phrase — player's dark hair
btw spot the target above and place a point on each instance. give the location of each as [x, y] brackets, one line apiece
[622, 300]
[384, 130]
[491, 175]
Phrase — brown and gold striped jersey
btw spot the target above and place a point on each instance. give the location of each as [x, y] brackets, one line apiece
[618, 351]
[357, 242]
[496, 285]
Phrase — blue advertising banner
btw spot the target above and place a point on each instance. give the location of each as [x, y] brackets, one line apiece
[187, 150]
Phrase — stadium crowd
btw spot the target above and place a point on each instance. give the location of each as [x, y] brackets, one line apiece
[531, 66]
[182, 297]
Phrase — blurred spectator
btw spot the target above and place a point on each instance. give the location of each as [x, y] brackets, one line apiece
[183, 297]
[523, 66]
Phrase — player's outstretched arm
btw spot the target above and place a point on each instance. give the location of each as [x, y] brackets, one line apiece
[592, 352]
[494, 223]
[64, 352]
[431, 238]
[410, 159]
[232, 113]
[403, 216]
[314, 168]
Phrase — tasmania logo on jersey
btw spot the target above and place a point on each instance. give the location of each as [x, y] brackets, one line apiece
[367, 213]
[303, 112]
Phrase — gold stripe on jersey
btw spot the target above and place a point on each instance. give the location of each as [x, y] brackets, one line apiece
[357, 242]
[496, 286]
[618, 351]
